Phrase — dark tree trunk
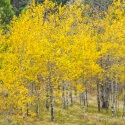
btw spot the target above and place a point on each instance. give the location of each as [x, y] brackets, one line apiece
[47, 96]
[52, 102]
[38, 106]
[71, 99]
[112, 90]
[98, 95]
[102, 96]
[27, 111]
[63, 97]
[67, 95]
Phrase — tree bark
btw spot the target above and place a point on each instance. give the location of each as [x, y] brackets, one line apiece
[47, 96]
[71, 98]
[63, 97]
[67, 95]
[52, 102]
[98, 95]
[112, 93]
[86, 95]
[38, 107]
[27, 111]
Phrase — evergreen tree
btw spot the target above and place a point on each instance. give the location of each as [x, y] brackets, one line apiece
[6, 12]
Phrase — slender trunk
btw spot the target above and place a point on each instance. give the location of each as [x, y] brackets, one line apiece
[118, 102]
[27, 111]
[32, 92]
[80, 98]
[63, 97]
[47, 96]
[71, 99]
[47, 103]
[51, 85]
[107, 94]
[112, 90]
[84, 100]
[86, 94]
[116, 96]
[32, 88]
[87, 98]
[102, 96]
[116, 92]
[67, 98]
[98, 96]
[83, 105]
[52, 102]
[38, 106]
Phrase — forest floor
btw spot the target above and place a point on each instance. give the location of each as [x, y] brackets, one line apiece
[73, 116]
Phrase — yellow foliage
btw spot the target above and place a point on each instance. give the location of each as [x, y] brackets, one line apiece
[61, 45]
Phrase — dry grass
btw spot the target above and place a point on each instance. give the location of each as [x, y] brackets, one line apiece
[72, 116]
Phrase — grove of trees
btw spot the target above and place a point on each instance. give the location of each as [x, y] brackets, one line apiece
[53, 52]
